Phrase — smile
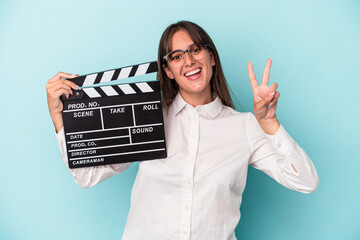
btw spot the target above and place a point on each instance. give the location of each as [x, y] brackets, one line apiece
[193, 72]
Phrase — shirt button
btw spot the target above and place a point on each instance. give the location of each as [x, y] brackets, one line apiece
[279, 145]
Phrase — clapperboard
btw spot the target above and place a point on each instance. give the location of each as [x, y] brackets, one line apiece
[114, 123]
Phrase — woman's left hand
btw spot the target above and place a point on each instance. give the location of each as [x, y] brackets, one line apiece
[265, 99]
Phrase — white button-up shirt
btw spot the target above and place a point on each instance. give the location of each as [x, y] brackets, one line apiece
[196, 192]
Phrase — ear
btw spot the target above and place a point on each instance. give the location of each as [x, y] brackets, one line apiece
[168, 72]
[212, 59]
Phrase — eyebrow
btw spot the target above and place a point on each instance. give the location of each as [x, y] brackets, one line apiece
[185, 49]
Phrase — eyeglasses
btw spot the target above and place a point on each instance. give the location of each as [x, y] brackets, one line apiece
[196, 51]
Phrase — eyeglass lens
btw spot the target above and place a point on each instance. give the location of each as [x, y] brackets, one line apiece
[196, 51]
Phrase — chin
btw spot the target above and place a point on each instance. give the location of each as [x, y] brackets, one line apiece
[197, 89]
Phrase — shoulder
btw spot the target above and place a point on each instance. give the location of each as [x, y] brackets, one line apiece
[232, 113]
[239, 121]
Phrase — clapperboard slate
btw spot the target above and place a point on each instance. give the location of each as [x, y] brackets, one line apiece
[115, 123]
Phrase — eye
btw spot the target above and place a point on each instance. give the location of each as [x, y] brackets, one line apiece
[196, 50]
[176, 56]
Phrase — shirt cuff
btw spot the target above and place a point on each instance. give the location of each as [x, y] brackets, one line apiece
[282, 141]
[60, 136]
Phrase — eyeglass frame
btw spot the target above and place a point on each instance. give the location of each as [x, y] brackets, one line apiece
[205, 45]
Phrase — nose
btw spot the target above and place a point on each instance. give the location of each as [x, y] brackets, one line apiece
[188, 59]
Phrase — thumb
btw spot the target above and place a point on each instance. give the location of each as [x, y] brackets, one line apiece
[266, 100]
[271, 94]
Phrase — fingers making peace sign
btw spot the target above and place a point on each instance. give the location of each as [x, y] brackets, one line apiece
[265, 99]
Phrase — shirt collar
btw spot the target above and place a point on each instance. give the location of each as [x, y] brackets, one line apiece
[211, 109]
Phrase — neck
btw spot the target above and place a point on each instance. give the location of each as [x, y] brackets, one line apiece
[197, 99]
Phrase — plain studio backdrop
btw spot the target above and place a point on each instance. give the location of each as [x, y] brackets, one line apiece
[315, 47]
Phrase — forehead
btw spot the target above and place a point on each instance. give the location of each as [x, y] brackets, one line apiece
[181, 40]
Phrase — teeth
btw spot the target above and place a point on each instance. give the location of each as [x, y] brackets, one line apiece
[192, 72]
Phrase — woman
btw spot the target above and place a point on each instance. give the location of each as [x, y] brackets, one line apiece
[196, 192]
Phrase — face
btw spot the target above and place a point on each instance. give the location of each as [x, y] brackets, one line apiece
[193, 76]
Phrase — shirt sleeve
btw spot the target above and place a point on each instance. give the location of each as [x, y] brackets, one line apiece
[89, 176]
[275, 155]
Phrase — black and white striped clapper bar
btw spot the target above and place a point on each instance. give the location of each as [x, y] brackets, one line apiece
[114, 123]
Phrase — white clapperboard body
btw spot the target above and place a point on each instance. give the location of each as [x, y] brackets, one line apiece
[115, 123]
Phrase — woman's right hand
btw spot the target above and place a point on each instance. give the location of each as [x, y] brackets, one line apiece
[56, 87]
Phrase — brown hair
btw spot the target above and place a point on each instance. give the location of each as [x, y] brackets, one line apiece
[169, 87]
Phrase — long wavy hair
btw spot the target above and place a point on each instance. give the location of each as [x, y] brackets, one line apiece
[169, 87]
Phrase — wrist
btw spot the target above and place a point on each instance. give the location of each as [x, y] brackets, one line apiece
[270, 126]
[57, 120]
[55, 113]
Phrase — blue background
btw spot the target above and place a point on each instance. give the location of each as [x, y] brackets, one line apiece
[315, 47]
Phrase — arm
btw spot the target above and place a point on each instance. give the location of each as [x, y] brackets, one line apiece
[281, 158]
[84, 177]
[89, 176]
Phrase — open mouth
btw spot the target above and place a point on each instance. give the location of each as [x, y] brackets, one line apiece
[194, 74]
